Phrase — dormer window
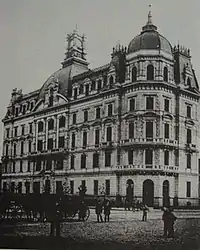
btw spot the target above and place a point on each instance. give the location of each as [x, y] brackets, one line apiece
[51, 98]
[24, 110]
[93, 85]
[165, 74]
[134, 74]
[81, 89]
[75, 93]
[105, 78]
[150, 72]
[87, 89]
[99, 85]
[188, 82]
[111, 80]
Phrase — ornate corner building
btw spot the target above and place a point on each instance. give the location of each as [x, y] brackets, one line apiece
[128, 128]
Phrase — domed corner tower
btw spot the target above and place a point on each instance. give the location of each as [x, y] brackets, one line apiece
[150, 55]
[60, 82]
[158, 162]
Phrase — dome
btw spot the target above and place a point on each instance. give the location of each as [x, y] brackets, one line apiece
[149, 38]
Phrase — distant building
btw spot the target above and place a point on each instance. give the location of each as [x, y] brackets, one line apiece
[128, 128]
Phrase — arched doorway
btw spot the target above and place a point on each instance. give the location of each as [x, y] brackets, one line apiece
[129, 190]
[148, 192]
[166, 201]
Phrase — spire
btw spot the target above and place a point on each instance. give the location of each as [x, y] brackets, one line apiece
[149, 25]
[149, 22]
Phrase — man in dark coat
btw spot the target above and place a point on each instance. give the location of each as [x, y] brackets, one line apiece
[107, 208]
[165, 218]
[168, 218]
[145, 211]
[172, 219]
[98, 210]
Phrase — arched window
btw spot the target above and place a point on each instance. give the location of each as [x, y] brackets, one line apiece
[40, 126]
[165, 74]
[188, 82]
[50, 124]
[62, 122]
[150, 72]
[134, 74]
[111, 80]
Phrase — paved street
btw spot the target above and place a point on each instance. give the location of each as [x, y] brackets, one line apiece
[125, 227]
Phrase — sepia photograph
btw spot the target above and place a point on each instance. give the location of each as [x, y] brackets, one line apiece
[100, 124]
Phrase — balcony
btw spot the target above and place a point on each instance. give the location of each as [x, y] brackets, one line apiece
[108, 144]
[146, 169]
[147, 141]
[191, 146]
[49, 152]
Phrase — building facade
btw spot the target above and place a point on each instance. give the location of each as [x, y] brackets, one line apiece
[128, 128]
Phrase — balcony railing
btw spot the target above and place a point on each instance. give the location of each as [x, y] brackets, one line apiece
[147, 167]
[154, 141]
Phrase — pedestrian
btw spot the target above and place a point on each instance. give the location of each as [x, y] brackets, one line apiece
[145, 210]
[82, 210]
[98, 210]
[54, 218]
[165, 218]
[172, 219]
[107, 208]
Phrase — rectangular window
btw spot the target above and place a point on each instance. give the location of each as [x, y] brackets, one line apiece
[166, 105]
[148, 157]
[74, 118]
[131, 130]
[109, 134]
[72, 162]
[98, 113]
[21, 166]
[30, 128]
[36, 187]
[84, 139]
[19, 187]
[50, 143]
[29, 146]
[29, 166]
[189, 161]
[107, 187]
[22, 148]
[166, 131]
[110, 109]
[83, 161]
[85, 116]
[72, 187]
[130, 157]
[149, 129]
[12, 187]
[23, 128]
[93, 85]
[39, 145]
[27, 187]
[149, 103]
[96, 187]
[59, 164]
[15, 131]
[48, 165]
[189, 136]
[14, 164]
[75, 93]
[7, 149]
[95, 160]
[7, 132]
[166, 157]
[83, 183]
[61, 142]
[97, 132]
[107, 159]
[188, 189]
[38, 165]
[132, 105]
[4, 186]
[188, 111]
[176, 157]
[5, 168]
[59, 187]
[73, 140]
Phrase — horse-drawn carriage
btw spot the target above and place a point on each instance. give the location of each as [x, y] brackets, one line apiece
[40, 207]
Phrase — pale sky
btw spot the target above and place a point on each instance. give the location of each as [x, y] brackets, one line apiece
[33, 34]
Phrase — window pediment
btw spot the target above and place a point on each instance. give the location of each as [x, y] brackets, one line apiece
[96, 123]
[189, 122]
[167, 116]
[150, 114]
[109, 120]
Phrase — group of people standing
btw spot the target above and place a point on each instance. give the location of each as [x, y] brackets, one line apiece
[101, 207]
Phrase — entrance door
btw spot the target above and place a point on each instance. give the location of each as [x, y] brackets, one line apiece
[148, 192]
[166, 201]
[129, 190]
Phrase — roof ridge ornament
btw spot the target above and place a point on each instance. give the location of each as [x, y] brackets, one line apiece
[149, 25]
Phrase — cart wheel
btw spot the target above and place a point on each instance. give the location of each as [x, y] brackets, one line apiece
[87, 214]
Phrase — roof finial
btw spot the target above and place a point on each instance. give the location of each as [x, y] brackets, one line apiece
[150, 15]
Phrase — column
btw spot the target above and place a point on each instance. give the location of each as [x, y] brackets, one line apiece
[57, 130]
[46, 133]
